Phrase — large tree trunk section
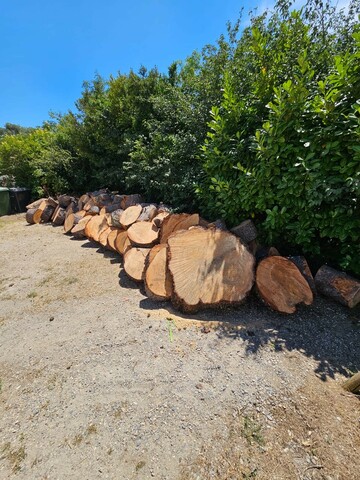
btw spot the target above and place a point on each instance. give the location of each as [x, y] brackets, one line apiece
[79, 229]
[130, 215]
[30, 215]
[158, 283]
[58, 217]
[148, 213]
[95, 227]
[134, 263]
[175, 222]
[209, 268]
[130, 200]
[246, 231]
[304, 268]
[353, 384]
[115, 218]
[112, 237]
[281, 285]
[143, 234]
[122, 242]
[338, 285]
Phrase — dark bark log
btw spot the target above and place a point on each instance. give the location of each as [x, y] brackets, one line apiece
[338, 285]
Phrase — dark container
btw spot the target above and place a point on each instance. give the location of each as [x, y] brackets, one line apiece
[4, 201]
[19, 198]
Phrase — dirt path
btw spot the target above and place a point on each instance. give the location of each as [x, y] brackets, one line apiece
[97, 382]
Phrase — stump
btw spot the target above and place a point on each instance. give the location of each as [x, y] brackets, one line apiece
[281, 285]
[208, 268]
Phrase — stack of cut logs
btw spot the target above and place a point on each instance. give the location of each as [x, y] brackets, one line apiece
[184, 258]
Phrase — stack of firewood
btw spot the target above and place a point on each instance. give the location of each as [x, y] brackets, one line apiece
[192, 262]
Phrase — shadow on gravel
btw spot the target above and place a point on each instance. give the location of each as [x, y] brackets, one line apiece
[326, 331]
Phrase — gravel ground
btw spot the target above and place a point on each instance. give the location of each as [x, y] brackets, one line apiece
[98, 382]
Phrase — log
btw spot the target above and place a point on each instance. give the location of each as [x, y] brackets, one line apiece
[103, 237]
[130, 200]
[281, 285]
[122, 242]
[353, 384]
[143, 234]
[115, 218]
[208, 268]
[71, 208]
[110, 208]
[73, 219]
[112, 237]
[130, 215]
[304, 268]
[65, 200]
[134, 263]
[35, 205]
[148, 213]
[95, 227]
[44, 212]
[30, 215]
[78, 230]
[52, 202]
[338, 285]
[158, 284]
[58, 217]
[158, 220]
[246, 231]
[175, 222]
[219, 224]
[83, 200]
[101, 198]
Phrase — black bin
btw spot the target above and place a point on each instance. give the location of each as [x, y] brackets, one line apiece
[19, 198]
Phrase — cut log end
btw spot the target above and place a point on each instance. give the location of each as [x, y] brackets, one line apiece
[281, 284]
[209, 268]
[134, 263]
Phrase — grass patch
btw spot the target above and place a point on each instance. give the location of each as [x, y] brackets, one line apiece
[140, 465]
[251, 431]
[14, 456]
[32, 294]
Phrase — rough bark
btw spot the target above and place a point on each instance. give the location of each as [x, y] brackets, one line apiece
[158, 283]
[134, 263]
[208, 268]
[148, 213]
[158, 220]
[338, 285]
[304, 268]
[65, 200]
[30, 215]
[115, 218]
[246, 231]
[130, 200]
[143, 234]
[58, 217]
[281, 285]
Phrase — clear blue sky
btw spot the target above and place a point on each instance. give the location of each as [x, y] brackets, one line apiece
[49, 47]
